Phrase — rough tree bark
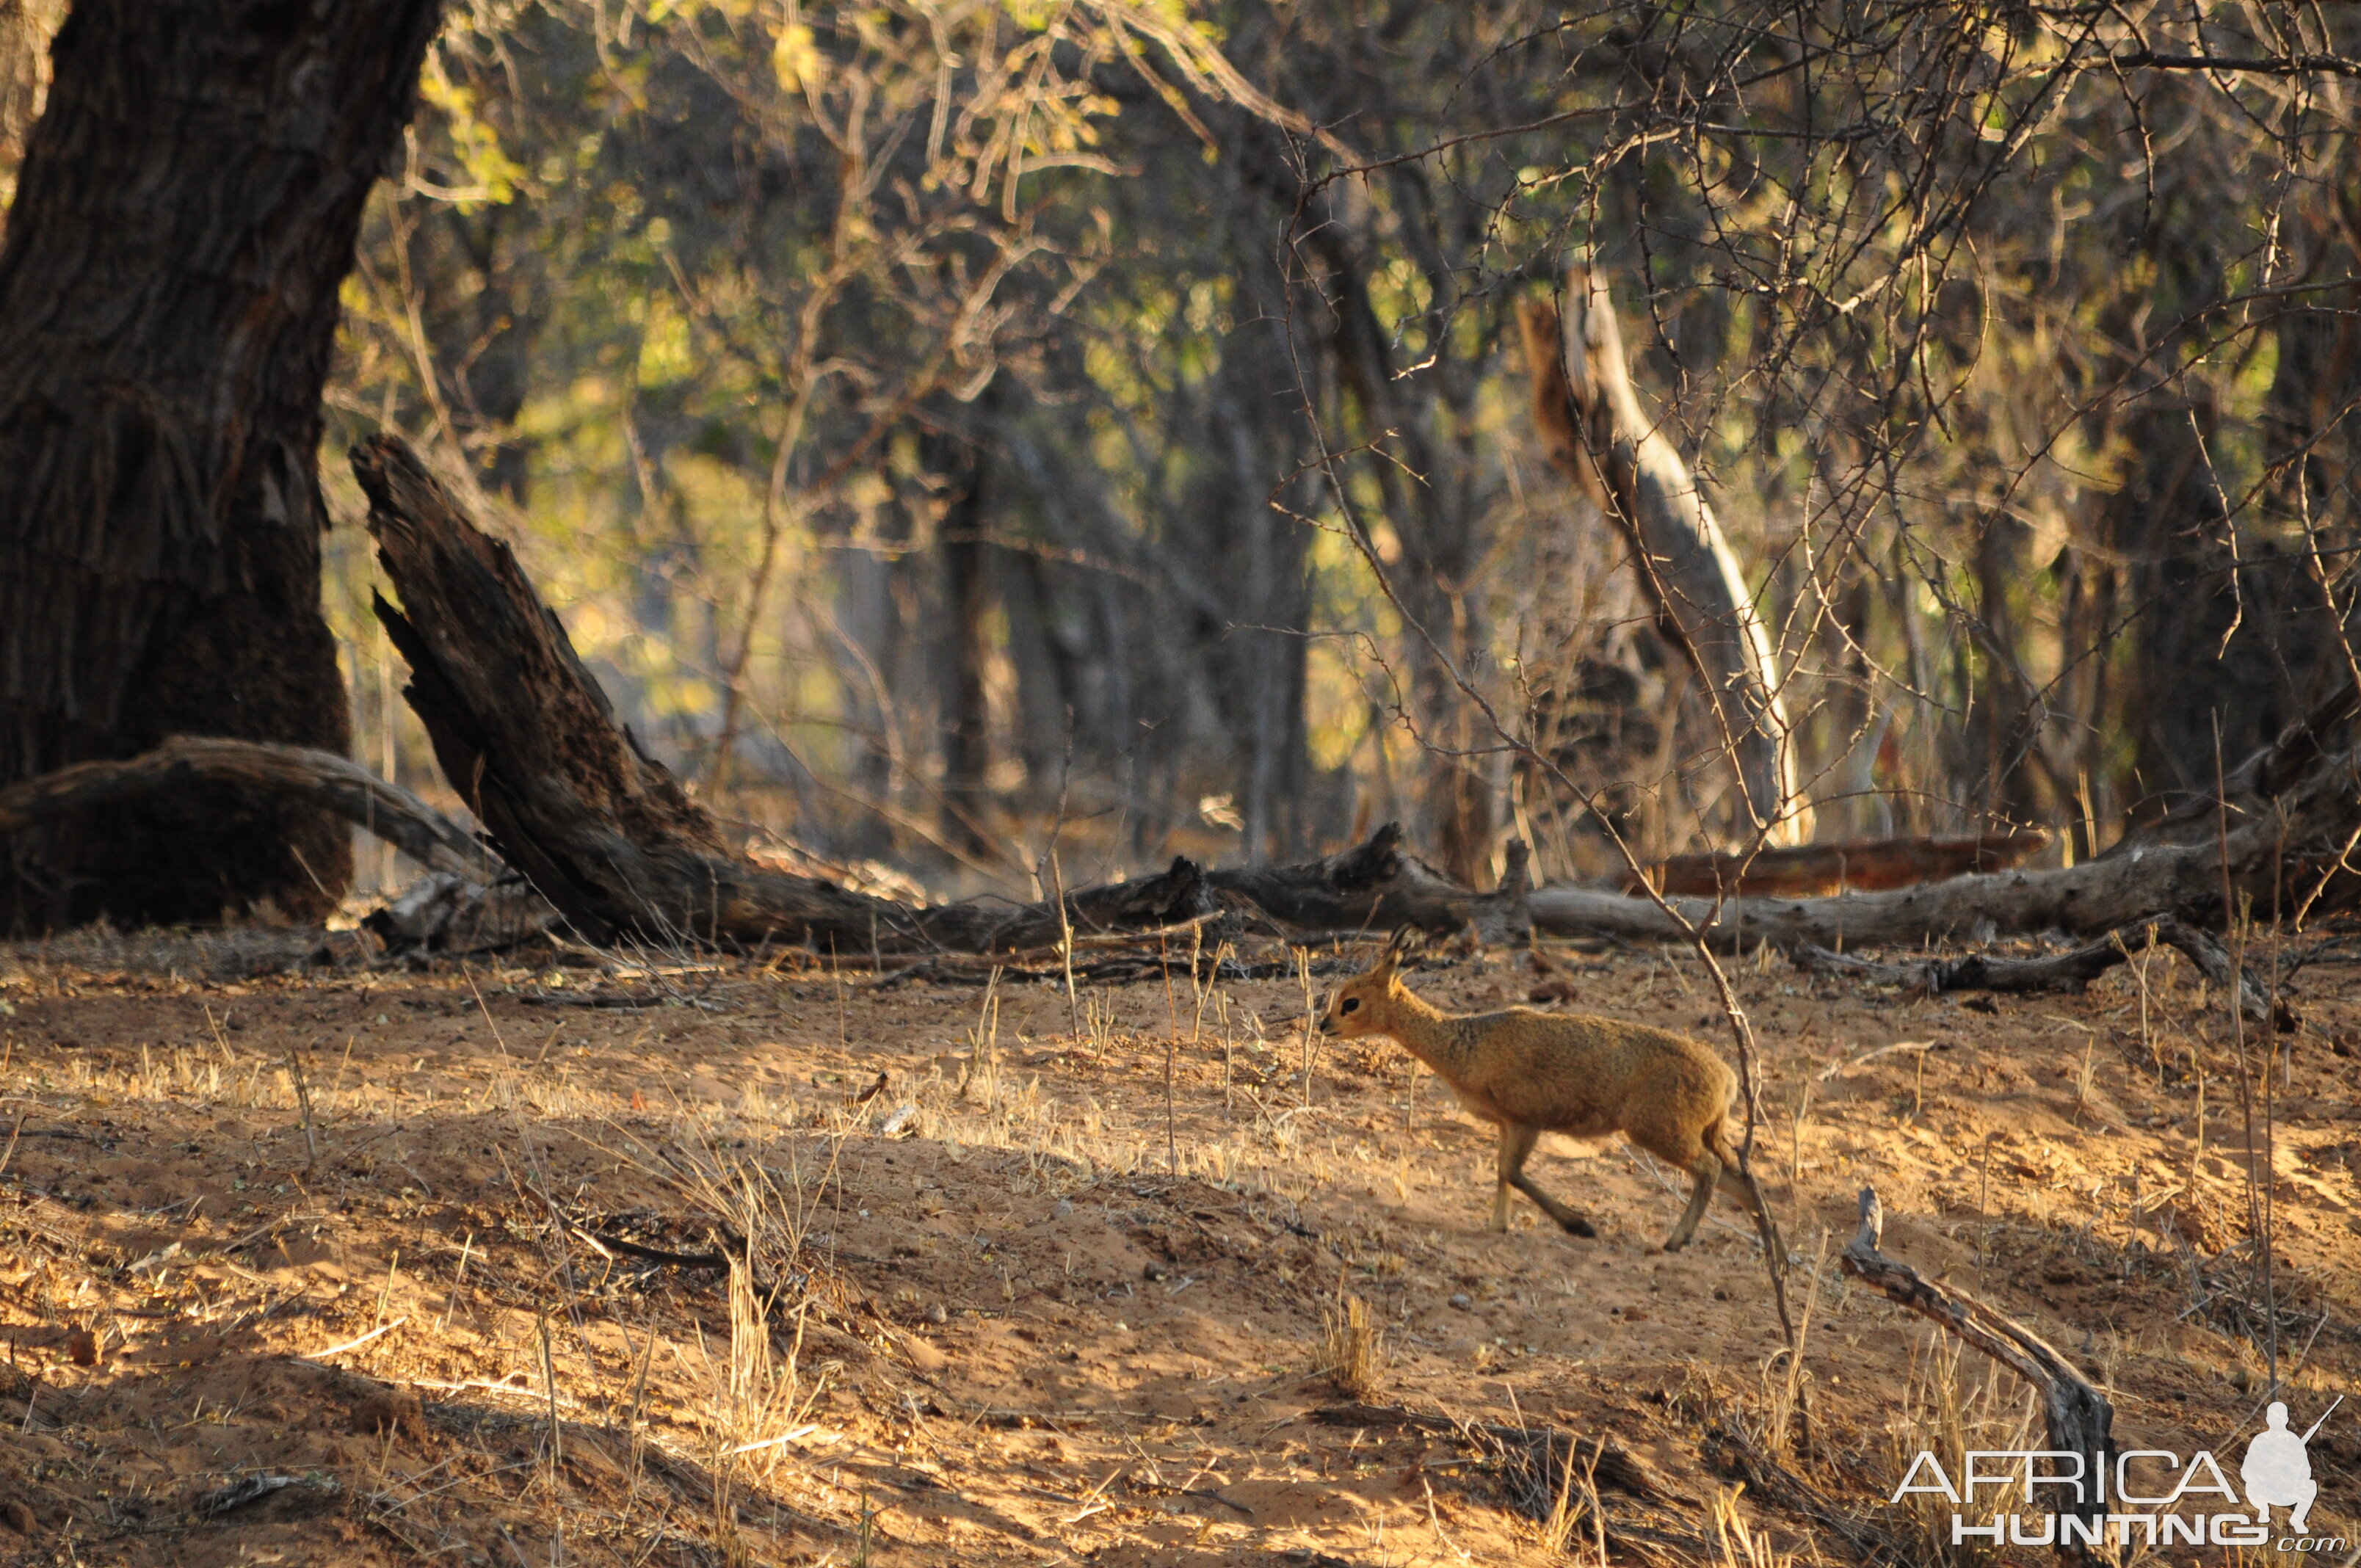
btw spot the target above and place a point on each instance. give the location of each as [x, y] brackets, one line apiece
[1592, 425]
[185, 214]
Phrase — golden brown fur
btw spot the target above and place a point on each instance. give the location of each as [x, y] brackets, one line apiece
[1532, 1073]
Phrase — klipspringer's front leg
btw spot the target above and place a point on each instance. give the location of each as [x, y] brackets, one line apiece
[1508, 1167]
[1516, 1147]
[1574, 1224]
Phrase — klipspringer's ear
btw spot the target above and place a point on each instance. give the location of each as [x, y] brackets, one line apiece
[1403, 942]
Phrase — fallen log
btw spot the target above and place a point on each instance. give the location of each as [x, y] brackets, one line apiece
[572, 803]
[2073, 969]
[1379, 883]
[324, 779]
[2078, 1417]
[2299, 830]
[1373, 886]
[1378, 886]
[1858, 866]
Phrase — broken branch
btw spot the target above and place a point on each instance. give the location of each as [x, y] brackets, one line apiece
[2070, 971]
[2078, 1417]
[321, 778]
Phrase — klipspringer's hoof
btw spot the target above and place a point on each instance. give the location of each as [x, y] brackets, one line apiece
[1579, 1226]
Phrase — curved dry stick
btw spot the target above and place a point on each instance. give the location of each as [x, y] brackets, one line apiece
[2078, 1417]
[322, 778]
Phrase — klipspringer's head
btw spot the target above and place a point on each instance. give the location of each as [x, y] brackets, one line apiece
[1357, 1008]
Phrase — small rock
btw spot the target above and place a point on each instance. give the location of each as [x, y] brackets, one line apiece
[17, 1516]
[1065, 1209]
[82, 1347]
[1155, 1271]
[938, 1314]
[924, 1356]
[1720, 1295]
[395, 1410]
[1462, 1302]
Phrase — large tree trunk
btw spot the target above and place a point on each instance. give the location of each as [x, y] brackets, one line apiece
[1596, 432]
[186, 212]
[967, 635]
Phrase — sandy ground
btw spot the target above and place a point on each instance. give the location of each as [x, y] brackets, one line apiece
[327, 1267]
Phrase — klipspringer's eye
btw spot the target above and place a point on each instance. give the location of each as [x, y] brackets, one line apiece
[1349, 1003]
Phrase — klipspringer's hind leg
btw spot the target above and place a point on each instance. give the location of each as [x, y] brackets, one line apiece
[1739, 1186]
[1747, 1194]
[1516, 1147]
[1707, 1171]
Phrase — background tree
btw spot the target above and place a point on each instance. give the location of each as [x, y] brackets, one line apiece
[184, 214]
[944, 425]
[710, 294]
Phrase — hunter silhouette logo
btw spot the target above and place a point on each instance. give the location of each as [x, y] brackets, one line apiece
[2133, 1496]
[2278, 1472]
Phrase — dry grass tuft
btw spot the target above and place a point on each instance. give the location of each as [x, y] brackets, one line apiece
[1939, 1415]
[1571, 1510]
[1350, 1352]
[1736, 1546]
[1786, 1394]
